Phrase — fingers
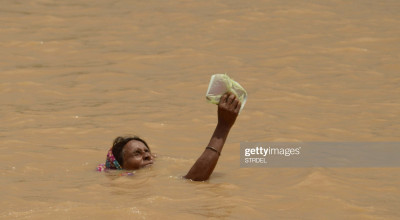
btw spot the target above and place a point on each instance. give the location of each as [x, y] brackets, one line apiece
[231, 98]
[227, 98]
[235, 102]
[224, 98]
[230, 101]
[237, 108]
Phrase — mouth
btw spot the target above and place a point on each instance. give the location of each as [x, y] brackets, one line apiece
[148, 164]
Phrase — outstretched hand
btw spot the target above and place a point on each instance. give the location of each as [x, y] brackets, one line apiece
[228, 110]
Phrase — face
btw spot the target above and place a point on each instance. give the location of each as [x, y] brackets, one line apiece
[136, 155]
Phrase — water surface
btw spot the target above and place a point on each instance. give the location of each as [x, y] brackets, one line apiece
[76, 74]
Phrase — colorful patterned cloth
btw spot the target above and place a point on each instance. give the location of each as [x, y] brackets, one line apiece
[111, 163]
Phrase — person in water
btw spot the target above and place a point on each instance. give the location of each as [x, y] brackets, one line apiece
[132, 153]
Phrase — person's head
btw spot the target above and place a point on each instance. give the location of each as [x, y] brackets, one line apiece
[132, 152]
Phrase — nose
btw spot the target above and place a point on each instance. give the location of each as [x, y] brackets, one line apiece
[146, 156]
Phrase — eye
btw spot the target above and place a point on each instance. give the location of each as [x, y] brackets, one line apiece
[137, 153]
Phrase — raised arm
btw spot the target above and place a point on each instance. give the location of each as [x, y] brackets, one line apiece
[228, 109]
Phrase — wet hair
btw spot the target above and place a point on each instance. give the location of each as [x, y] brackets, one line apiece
[119, 144]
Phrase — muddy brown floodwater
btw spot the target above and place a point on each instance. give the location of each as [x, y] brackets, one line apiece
[76, 74]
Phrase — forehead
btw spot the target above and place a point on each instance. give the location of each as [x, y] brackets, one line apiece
[134, 145]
